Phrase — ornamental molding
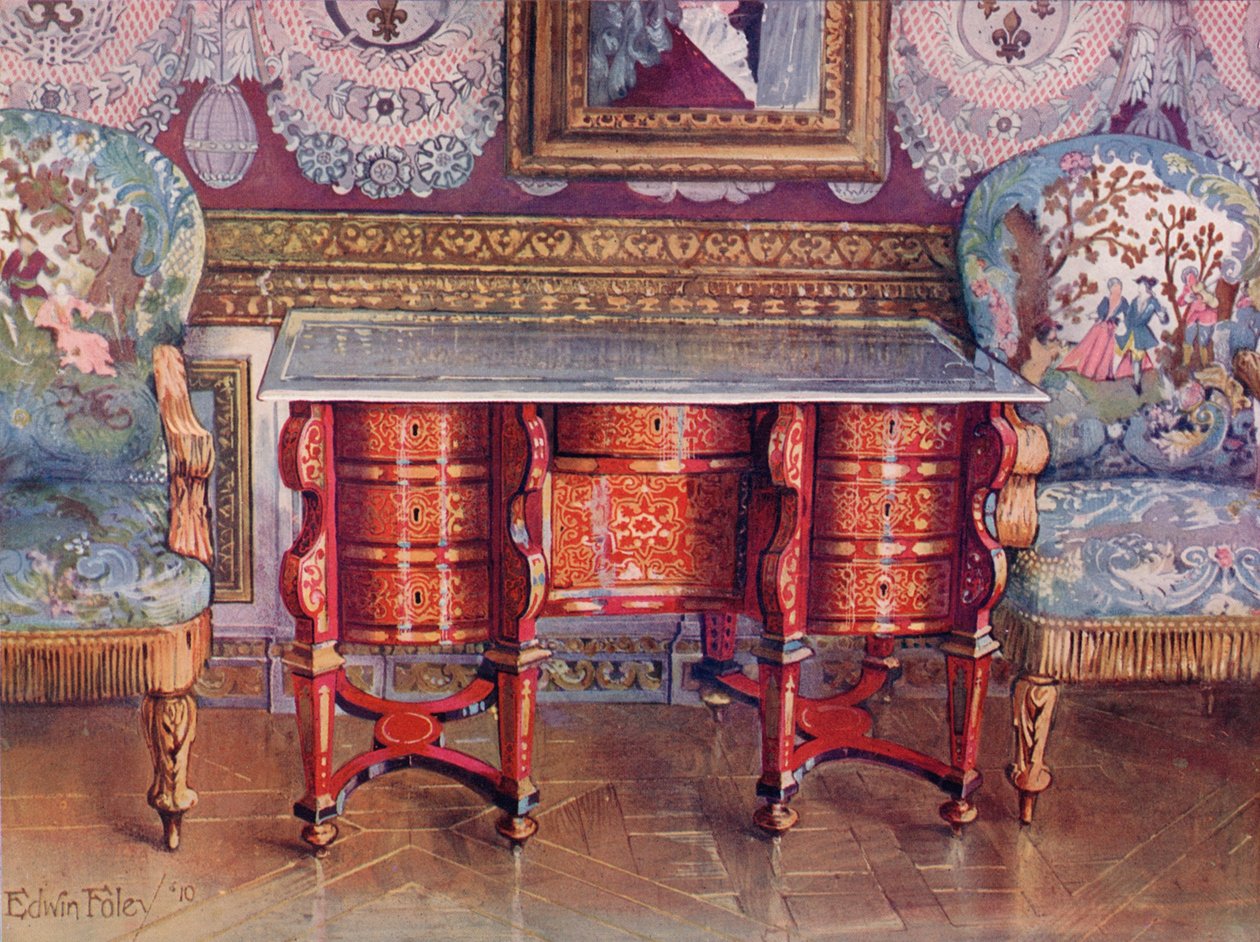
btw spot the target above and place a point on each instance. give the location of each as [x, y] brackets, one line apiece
[260, 264]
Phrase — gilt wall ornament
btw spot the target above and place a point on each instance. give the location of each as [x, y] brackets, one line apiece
[386, 97]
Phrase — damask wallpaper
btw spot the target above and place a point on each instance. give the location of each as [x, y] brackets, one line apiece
[398, 104]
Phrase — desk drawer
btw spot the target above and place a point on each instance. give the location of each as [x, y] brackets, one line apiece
[413, 522]
[887, 518]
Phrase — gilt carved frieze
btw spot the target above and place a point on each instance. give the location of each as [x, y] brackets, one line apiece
[262, 263]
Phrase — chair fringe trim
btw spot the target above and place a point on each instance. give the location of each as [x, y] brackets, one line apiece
[1206, 649]
[61, 666]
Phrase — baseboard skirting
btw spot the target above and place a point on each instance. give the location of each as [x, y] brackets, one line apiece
[644, 661]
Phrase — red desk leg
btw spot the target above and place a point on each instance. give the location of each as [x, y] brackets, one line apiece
[990, 448]
[409, 734]
[717, 646]
[800, 732]
[515, 654]
[784, 591]
[308, 585]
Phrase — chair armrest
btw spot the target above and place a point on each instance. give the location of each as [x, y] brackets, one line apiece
[189, 455]
[1015, 517]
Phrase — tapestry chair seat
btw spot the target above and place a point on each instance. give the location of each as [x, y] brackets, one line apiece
[1122, 275]
[104, 536]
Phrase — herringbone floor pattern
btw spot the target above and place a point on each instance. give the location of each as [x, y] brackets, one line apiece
[1149, 833]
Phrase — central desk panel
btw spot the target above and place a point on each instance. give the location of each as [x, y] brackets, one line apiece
[647, 508]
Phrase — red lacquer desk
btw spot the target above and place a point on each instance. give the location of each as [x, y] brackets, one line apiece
[463, 475]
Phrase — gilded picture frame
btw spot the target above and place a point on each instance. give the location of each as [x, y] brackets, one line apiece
[556, 130]
[220, 387]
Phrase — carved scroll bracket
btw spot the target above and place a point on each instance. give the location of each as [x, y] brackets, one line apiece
[1015, 517]
[308, 568]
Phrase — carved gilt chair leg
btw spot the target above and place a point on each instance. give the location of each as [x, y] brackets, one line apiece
[1033, 698]
[1208, 692]
[169, 721]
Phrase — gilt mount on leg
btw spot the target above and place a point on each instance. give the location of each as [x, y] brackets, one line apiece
[319, 837]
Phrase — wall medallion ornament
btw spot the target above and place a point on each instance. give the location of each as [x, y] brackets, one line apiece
[220, 138]
[700, 191]
[976, 82]
[383, 97]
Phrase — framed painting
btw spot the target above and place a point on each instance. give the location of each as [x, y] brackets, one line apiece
[697, 89]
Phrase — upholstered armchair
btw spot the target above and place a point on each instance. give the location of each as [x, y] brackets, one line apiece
[1122, 275]
[104, 540]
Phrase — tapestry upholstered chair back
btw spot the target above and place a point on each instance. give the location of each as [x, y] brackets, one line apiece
[1122, 275]
[104, 585]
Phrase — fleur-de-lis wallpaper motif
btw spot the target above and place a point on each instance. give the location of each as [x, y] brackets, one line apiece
[1041, 8]
[387, 18]
[1010, 40]
[50, 15]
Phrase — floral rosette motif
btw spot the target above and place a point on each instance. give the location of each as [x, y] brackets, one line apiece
[976, 83]
[114, 62]
[384, 97]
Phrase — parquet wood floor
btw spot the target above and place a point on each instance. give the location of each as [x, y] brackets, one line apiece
[1148, 834]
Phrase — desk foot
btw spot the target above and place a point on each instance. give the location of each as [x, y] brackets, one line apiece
[516, 828]
[714, 698]
[776, 817]
[319, 837]
[717, 639]
[809, 731]
[957, 812]
[721, 684]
